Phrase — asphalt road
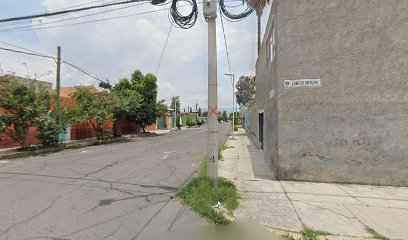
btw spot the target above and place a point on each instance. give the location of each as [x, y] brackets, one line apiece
[118, 191]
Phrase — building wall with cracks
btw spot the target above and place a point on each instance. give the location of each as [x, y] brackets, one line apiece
[332, 86]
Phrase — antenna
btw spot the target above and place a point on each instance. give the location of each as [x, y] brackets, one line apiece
[42, 75]
[28, 73]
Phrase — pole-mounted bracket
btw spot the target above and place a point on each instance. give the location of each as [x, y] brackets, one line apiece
[210, 9]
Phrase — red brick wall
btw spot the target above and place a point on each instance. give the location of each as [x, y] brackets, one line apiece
[7, 142]
[85, 130]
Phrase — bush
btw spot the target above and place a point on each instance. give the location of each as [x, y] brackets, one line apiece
[189, 122]
[117, 131]
[48, 132]
[236, 127]
[178, 125]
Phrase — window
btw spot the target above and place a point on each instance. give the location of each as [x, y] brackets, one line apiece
[270, 46]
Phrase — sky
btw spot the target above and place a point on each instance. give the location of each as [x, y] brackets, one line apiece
[115, 48]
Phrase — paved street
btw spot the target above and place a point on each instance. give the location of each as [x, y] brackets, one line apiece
[118, 191]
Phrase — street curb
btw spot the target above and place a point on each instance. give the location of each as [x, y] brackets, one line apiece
[67, 146]
[298, 235]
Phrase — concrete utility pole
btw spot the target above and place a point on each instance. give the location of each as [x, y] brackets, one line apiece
[58, 86]
[210, 14]
[233, 98]
[175, 112]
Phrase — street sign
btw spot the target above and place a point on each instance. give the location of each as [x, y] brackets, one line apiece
[302, 83]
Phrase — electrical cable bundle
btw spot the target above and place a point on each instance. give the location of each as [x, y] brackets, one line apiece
[176, 18]
[184, 21]
[236, 17]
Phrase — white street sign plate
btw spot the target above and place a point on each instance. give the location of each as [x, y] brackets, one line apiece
[302, 83]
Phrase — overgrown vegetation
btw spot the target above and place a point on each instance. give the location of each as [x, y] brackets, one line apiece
[201, 196]
[221, 149]
[26, 106]
[375, 234]
[311, 234]
[93, 108]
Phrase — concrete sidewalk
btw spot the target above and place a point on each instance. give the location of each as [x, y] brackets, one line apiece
[340, 209]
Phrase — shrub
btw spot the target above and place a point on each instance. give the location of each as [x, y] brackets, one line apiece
[178, 125]
[236, 127]
[189, 122]
[48, 131]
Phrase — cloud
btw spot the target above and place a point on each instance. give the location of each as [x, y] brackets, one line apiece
[114, 49]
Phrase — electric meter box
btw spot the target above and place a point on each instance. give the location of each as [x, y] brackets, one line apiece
[210, 9]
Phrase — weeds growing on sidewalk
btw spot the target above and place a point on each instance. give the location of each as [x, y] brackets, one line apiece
[201, 196]
[311, 234]
[375, 234]
[221, 149]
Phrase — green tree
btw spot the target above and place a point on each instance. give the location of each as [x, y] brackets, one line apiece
[23, 106]
[96, 108]
[161, 108]
[199, 112]
[126, 104]
[245, 90]
[224, 115]
[176, 100]
[145, 87]
[148, 111]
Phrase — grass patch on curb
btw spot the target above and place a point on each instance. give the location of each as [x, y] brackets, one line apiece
[201, 196]
[221, 149]
[311, 234]
[375, 234]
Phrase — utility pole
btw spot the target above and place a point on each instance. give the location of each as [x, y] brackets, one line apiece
[233, 98]
[210, 14]
[58, 86]
[175, 111]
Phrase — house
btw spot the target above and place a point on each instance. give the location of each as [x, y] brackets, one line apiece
[26, 81]
[85, 130]
[331, 91]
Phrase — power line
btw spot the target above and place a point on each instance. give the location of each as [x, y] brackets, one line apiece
[11, 24]
[15, 29]
[93, 21]
[84, 4]
[94, 76]
[27, 53]
[226, 46]
[16, 46]
[164, 50]
[33, 53]
[237, 17]
[67, 11]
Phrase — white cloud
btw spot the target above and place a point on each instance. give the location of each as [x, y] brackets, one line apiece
[115, 48]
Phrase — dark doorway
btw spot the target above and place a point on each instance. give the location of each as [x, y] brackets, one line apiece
[261, 128]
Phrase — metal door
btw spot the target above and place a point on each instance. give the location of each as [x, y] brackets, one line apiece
[261, 127]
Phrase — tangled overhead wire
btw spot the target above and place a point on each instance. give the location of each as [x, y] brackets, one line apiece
[236, 17]
[176, 17]
[187, 21]
[184, 21]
